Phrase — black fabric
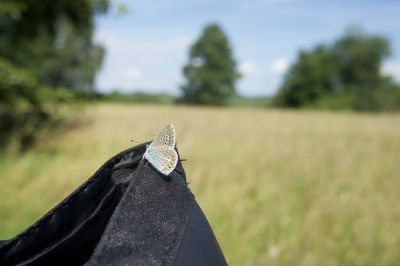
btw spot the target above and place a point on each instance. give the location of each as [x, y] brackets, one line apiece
[199, 246]
[125, 214]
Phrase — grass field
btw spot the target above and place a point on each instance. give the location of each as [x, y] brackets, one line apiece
[278, 187]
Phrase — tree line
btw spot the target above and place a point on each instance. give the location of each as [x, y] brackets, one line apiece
[342, 75]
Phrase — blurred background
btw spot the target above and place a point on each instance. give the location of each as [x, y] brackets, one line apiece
[286, 111]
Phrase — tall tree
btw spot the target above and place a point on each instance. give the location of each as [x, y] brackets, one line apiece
[211, 71]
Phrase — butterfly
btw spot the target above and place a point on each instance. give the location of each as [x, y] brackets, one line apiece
[161, 152]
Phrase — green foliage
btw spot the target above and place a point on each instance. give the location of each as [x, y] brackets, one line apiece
[73, 62]
[333, 101]
[25, 106]
[53, 40]
[45, 50]
[211, 70]
[344, 75]
[314, 75]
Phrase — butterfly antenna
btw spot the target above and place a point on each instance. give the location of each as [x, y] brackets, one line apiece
[183, 160]
[142, 141]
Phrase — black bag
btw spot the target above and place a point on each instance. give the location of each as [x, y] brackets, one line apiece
[125, 214]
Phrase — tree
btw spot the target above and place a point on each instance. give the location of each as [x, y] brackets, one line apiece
[45, 49]
[360, 57]
[53, 40]
[72, 62]
[312, 76]
[346, 72]
[211, 71]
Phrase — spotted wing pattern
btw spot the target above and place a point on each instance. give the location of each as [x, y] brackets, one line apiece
[161, 152]
[166, 137]
[163, 158]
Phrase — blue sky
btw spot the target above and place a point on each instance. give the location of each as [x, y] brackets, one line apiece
[147, 47]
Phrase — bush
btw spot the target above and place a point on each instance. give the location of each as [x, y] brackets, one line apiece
[379, 99]
[335, 101]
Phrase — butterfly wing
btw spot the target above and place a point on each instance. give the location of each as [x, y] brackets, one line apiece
[163, 158]
[167, 137]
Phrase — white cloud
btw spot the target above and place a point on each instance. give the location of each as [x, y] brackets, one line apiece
[133, 73]
[391, 69]
[247, 68]
[280, 66]
[150, 62]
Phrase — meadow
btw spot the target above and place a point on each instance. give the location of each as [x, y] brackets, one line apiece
[278, 187]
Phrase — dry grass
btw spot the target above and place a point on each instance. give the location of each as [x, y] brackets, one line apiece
[279, 188]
